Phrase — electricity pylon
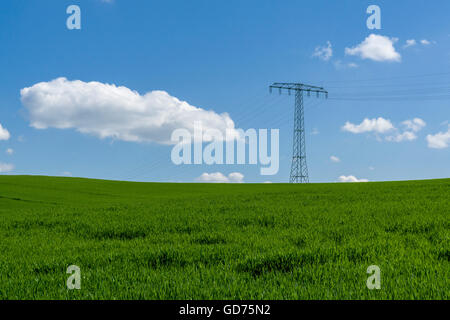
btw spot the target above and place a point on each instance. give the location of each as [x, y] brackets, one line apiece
[299, 168]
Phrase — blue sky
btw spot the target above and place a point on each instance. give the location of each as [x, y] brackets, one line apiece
[222, 56]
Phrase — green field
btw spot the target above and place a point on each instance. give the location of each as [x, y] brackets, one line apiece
[223, 241]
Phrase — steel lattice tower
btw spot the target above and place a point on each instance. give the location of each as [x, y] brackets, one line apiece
[299, 168]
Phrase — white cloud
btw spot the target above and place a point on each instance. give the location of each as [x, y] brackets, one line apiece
[410, 43]
[67, 174]
[315, 131]
[324, 53]
[110, 111]
[339, 65]
[9, 151]
[439, 140]
[385, 126]
[415, 124]
[6, 167]
[400, 137]
[371, 168]
[4, 134]
[412, 126]
[379, 125]
[335, 159]
[351, 179]
[236, 177]
[376, 47]
[218, 177]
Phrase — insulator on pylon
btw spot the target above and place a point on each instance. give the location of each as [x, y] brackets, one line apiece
[289, 91]
[279, 90]
[309, 93]
[326, 95]
[317, 94]
[270, 89]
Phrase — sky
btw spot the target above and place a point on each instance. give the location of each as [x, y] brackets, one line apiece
[102, 101]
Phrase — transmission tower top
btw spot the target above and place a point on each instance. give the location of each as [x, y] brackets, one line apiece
[298, 87]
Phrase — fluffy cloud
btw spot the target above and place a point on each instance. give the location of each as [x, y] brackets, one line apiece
[9, 151]
[415, 124]
[324, 53]
[376, 47]
[109, 111]
[6, 167]
[412, 126]
[439, 140]
[218, 177]
[400, 137]
[425, 42]
[335, 159]
[351, 179]
[379, 125]
[4, 134]
[384, 126]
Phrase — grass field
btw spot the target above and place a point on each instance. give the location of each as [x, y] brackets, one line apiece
[223, 241]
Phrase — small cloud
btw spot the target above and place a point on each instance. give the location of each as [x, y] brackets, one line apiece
[400, 137]
[218, 177]
[9, 151]
[371, 168]
[351, 179]
[67, 174]
[315, 131]
[335, 159]
[377, 48]
[4, 134]
[267, 182]
[412, 126]
[439, 140]
[6, 167]
[339, 65]
[323, 53]
[410, 43]
[415, 124]
[379, 125]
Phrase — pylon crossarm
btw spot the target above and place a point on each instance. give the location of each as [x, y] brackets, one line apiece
[298, 86]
